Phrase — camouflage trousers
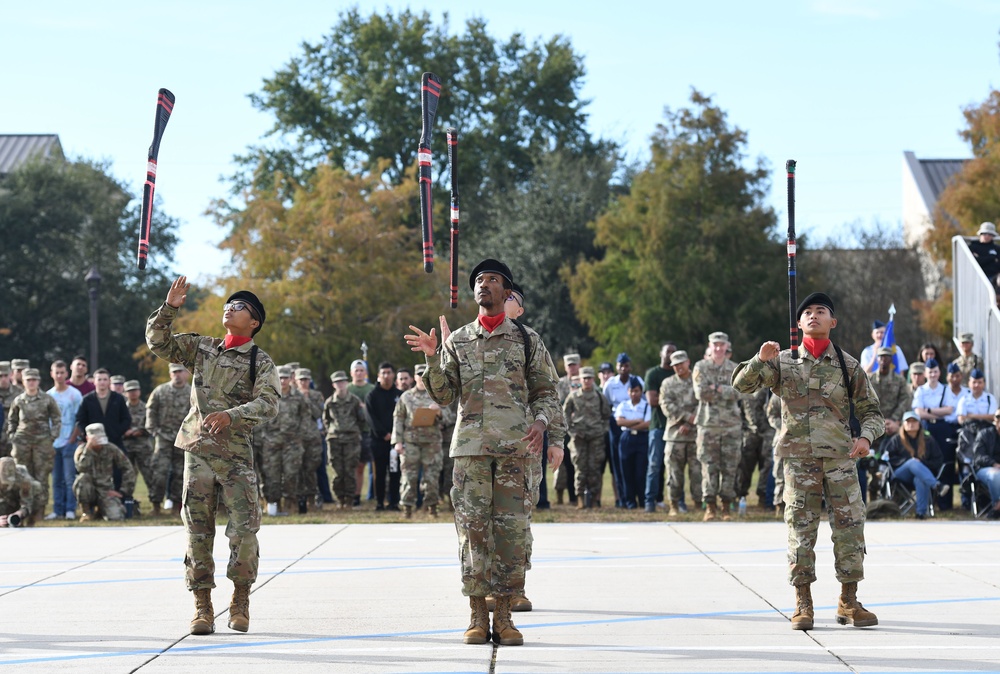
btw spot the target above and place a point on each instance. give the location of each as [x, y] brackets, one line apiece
[807, 482]
[447, 468]
[282, 462]
[414, 458]
[312, 457]
[756, 454]
[565, 475]
[719, 453]
[492, 497]
[141, 458]
[344, 456]
[89, 495]
[5, 445]
[681, 456]
[779, 480]
[534, 473]
[168, 472]
[38, 456]
[588, 459]
[207, 482]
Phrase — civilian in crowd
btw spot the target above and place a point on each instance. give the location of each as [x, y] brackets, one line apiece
[605, 372]
[104, 406]
[379, 407]
[35, 423]
[928, 351]
[138, 443]
[720, 426]
[166, 409]
[63, 469]
[655, 471]
[986, 252]
[416, 435]
[284, 445]
[586, 411]
[986, 460]
[915, 459]
[8, 391]
[967, 361]
[757, 451]
[312, 451]
[78, 368]
[680, 407]
[96, 461]
[404, 379]
[360, 387]
[344, 418]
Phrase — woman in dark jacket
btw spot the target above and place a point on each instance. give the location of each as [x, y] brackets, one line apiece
[915, 458]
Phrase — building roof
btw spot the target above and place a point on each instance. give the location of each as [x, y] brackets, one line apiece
[932, 176]
[16, 149]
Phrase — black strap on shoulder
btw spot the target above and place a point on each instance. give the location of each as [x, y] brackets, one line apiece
[852, 419]
[527, 344]
[253, 364]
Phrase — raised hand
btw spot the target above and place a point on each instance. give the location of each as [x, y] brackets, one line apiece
[422, 341]
[177, 294]
[769, 351]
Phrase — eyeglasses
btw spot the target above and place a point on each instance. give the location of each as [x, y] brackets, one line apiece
[239, 306]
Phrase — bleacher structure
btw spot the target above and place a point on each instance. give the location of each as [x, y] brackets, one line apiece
[975, 309]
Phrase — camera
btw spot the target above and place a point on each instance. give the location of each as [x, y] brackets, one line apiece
[14, 519]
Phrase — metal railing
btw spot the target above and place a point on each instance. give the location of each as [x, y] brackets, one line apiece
[975, 309]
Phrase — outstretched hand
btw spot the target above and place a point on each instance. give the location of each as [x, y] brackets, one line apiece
[422, 341]
[177, 294]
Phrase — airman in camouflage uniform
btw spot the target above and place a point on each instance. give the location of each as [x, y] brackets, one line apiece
[505, 406]
[19, 493]
[586, 413]
[818, 450]
[966, 361]
[284, 444]
[418, 446]
[235, 389]
[8, 391]
[138, 446]
[166, 409]
[312, 443]
[344, 418]
[680, 407]
[720, 426]
[35, 421]
[758, 451]
[94, 486]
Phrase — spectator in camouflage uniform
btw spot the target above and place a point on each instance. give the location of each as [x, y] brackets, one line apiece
[418, 446]
[235, 389]
[565, 475]
[138, 444]
[360, 387]
[312, 450]
[895, 399]
[35, 422]
[966, 361]
[720, 426]
[778, 470]
[20, 494]
[757, 449]
[819, 452]
[284, 445]
[680, 407]
[505, 407]
[449, 417]
[96, 460]
[8, 391]
[586, 411]
[18, 366]
[166, 409]
[344, 418]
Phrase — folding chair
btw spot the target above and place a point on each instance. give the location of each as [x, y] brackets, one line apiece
[980, 502]
[904, 494]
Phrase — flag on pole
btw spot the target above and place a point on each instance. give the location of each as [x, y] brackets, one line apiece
[889, 340]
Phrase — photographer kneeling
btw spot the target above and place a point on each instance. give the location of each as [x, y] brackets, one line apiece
[20, 495]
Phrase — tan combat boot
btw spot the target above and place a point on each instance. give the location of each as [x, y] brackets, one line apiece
[849, 609]
[520, 603]
[802, 619]
[479, 624]
[504, 632]
[727, 507]
[432, 511]
[239, 608]
[204, 615]
[408, 512]
[156, 510]
[709, 511]
[580, 505]
[674, 510]
[491, 602]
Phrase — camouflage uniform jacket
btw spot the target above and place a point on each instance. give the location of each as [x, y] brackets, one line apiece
[221, 384]
[814, 412]
[166, 409]
[774, 413]
[291, 423]
[140, 442]
[314, 401]
[24, 493]
[100, 465]
[344, 418]
[716, 409]
[499, 397]
[565, 386]
[966, 364]
[894, 395]
[678, 404]
[586, 413]
[754, 413]
[403, 429]
[34, 417]
[7, 396]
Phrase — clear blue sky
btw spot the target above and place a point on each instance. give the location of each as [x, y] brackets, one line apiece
[843, 86]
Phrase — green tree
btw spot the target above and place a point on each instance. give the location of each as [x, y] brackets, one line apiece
[691, 249]
[333, 266]
[56, 220]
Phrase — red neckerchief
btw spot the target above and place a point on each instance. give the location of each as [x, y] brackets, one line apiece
[235, 340]
[491, 323]
[815, 346]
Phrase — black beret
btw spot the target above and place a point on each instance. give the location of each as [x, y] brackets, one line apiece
[495, 266]
[816, 298]
[251, 299]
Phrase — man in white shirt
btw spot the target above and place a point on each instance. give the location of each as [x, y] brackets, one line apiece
[64, 470]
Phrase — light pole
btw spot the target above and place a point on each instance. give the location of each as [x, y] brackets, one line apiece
[93, 279]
